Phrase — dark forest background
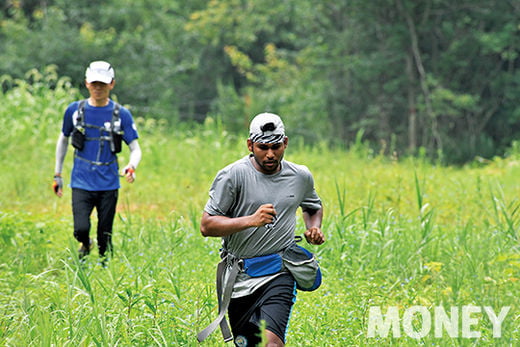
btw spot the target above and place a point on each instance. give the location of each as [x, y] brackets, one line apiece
[436, 78]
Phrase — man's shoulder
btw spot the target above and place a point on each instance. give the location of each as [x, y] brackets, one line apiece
[119, 105]
[71, 109]
[296, 168]
[73, 105]
[236, 166]
[235, 170]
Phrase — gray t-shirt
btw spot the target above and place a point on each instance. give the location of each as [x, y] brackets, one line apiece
[239, 189]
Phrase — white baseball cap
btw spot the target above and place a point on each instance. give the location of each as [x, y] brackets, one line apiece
[99, 71]
[267, 128]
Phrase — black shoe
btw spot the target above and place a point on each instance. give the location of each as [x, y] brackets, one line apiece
[85, 250]
[103, 261]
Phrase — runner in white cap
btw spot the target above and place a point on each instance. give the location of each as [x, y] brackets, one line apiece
[97, 126]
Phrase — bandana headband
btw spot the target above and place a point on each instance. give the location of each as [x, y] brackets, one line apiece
[267, 128]
[272, 138]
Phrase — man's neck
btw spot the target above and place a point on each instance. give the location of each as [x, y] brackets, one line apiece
[98, 102]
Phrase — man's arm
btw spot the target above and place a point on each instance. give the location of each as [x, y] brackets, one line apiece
[135, 153]
[223, 226]
[135, 158]
[61, 151]
[312, 219]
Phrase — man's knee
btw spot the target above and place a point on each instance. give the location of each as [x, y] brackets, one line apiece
[81, 233]
[273, 340]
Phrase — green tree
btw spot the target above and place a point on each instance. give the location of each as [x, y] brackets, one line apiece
[156, 62]
[432, 75]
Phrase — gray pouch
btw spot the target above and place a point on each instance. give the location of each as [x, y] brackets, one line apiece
[303, 266]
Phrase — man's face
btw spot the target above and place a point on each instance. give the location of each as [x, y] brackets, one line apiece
[99, 90]
[267, 156]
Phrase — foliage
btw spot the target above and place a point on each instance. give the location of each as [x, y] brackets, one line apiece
[433, 76]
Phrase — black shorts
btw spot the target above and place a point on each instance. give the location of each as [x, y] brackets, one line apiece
[271, 303]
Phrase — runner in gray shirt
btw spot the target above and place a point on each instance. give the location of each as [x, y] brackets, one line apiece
[252, 206]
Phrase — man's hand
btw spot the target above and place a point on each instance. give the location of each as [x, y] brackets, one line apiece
[265, 214]
[57, 185]
[129, 173]
[223, 226]
[314, 236]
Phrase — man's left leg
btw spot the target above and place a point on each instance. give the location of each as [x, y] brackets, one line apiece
[276, 311]
[106, 210]
[273, 340]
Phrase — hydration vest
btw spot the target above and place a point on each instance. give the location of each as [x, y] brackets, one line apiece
[115, 131]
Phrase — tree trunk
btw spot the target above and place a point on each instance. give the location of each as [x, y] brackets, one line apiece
[414, 45]
[412, 111]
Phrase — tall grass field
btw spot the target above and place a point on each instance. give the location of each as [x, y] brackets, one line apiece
[416, 253]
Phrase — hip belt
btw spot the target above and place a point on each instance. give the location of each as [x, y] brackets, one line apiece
[301, 263]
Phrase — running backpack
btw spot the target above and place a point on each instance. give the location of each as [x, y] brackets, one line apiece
[115, 131]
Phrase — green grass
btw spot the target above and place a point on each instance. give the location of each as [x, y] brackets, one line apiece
[400, 233]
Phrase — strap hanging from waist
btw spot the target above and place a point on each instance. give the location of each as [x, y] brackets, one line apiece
[224, 297]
